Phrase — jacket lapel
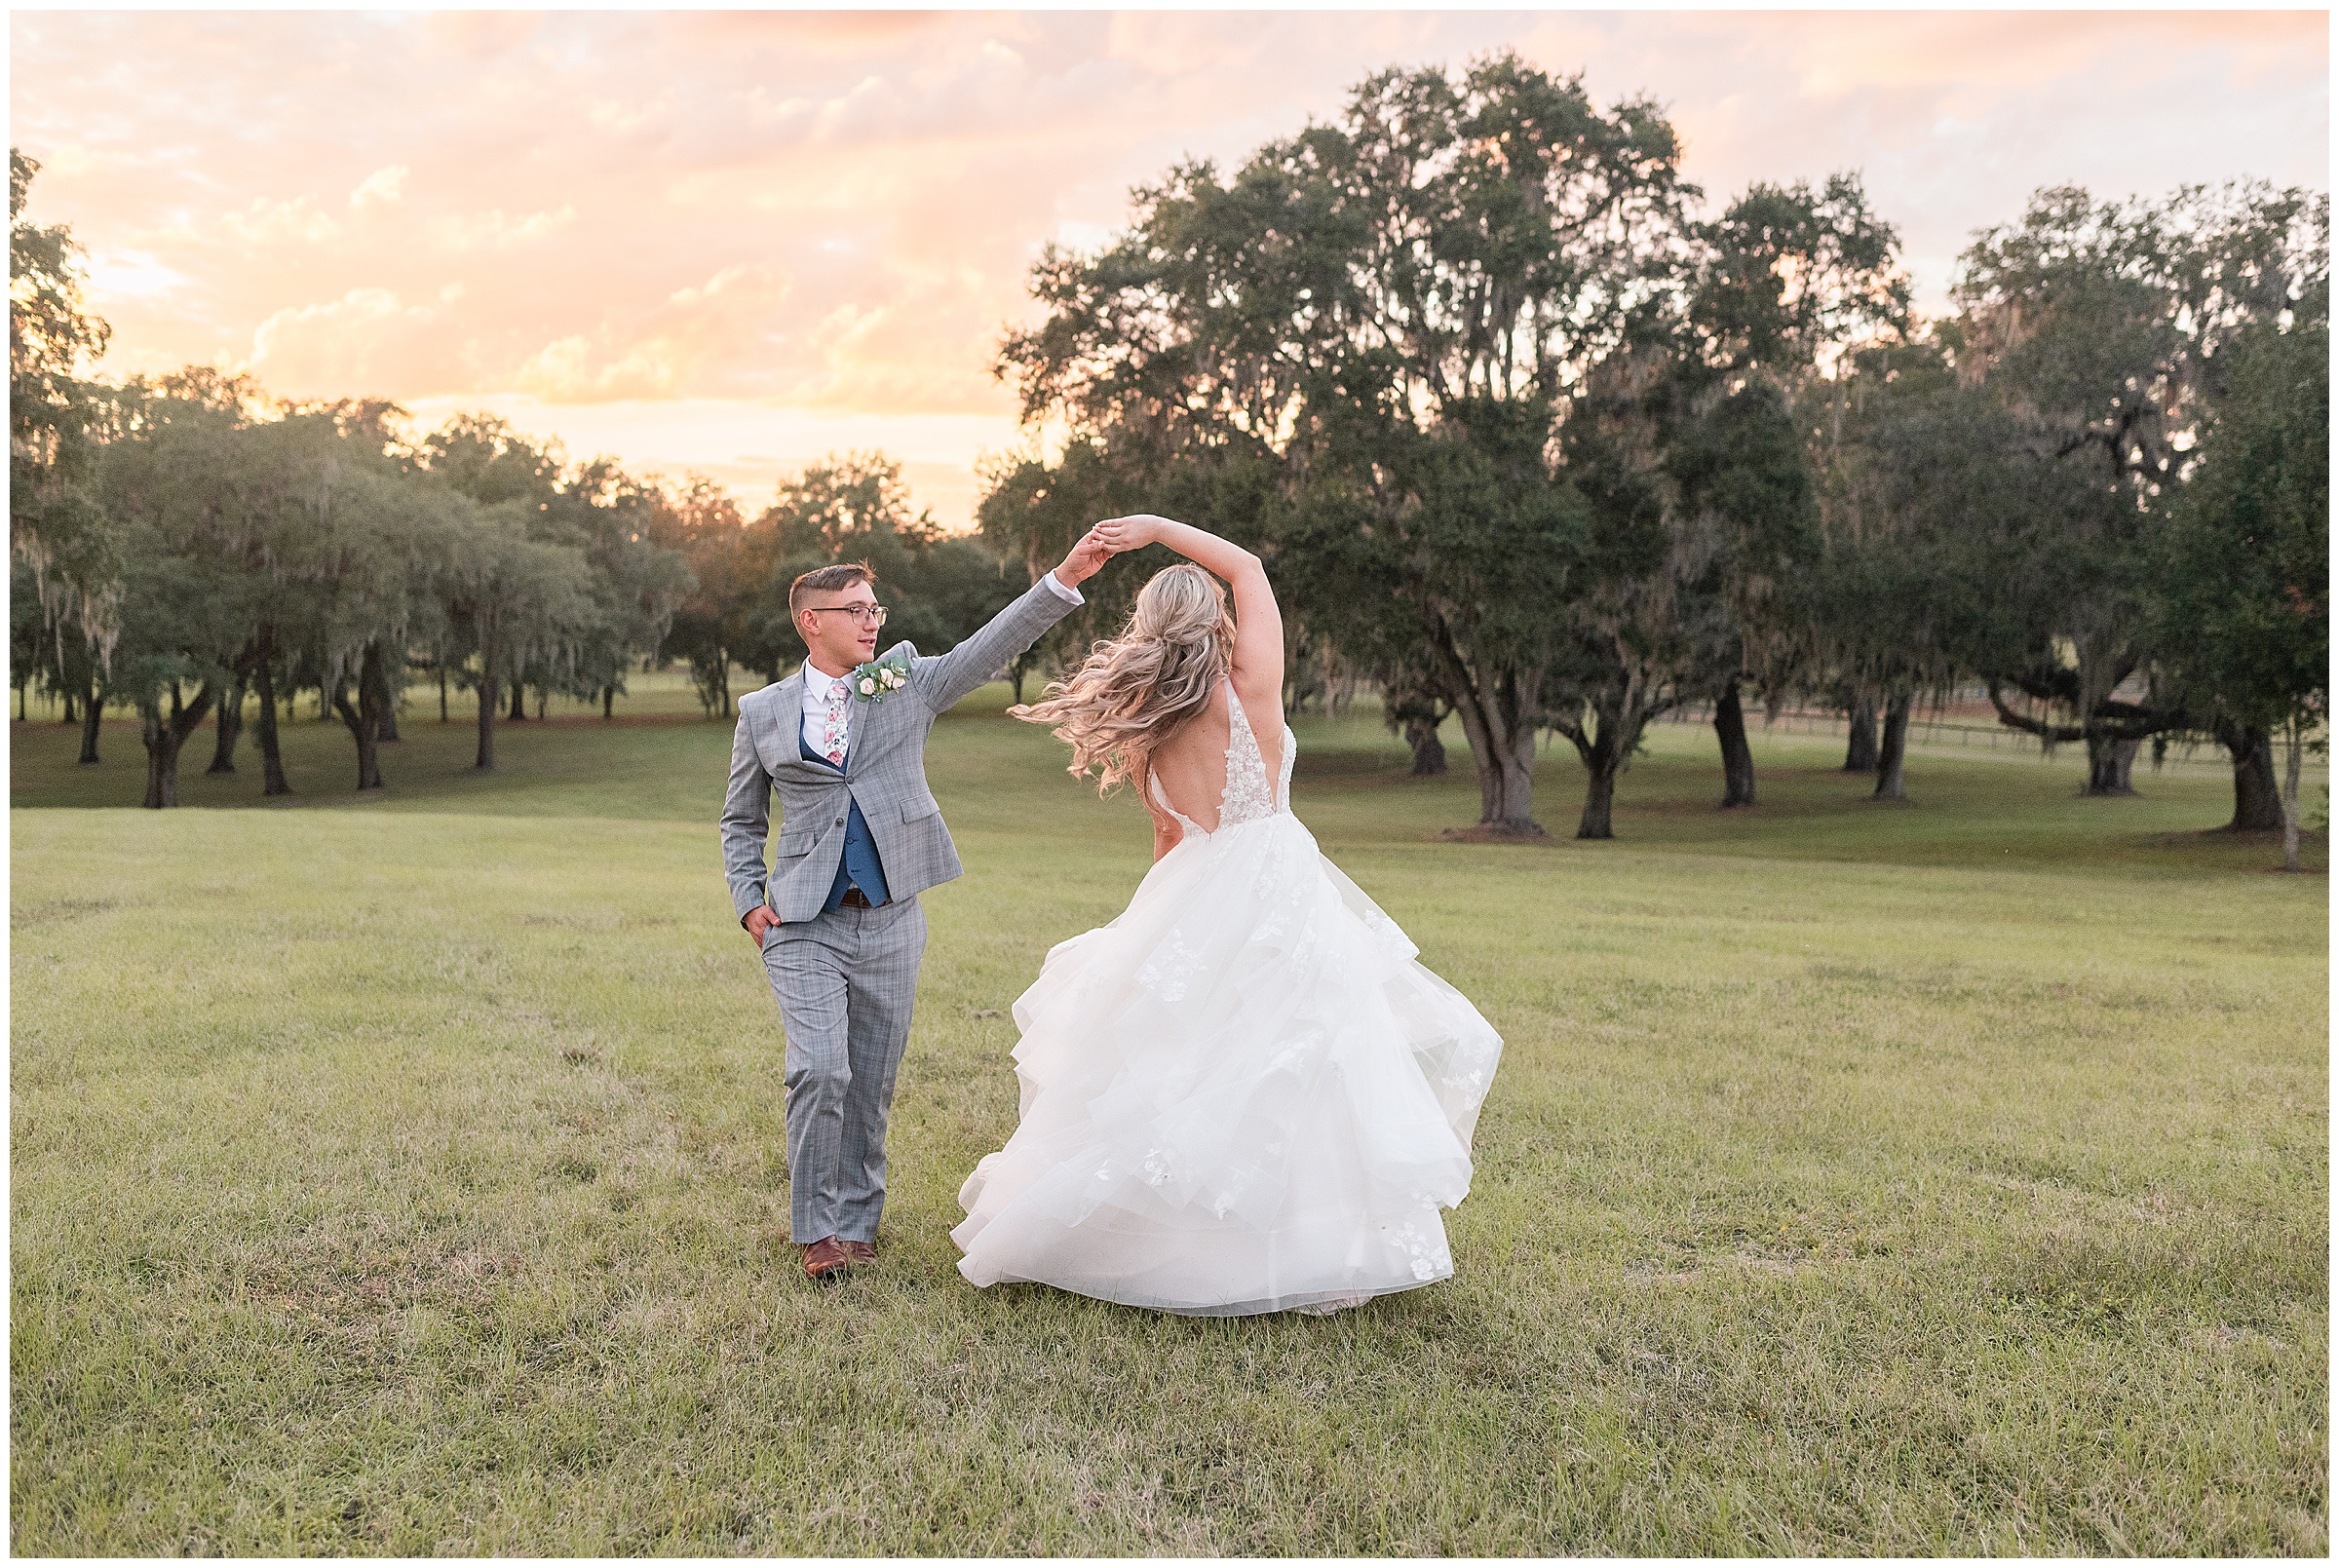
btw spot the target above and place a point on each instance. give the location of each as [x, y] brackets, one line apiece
[856, 712]
[788, 718]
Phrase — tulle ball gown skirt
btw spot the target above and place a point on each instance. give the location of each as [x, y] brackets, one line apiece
[1242, 1095]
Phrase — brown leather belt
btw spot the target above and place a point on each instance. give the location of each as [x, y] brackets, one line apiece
[854, 898]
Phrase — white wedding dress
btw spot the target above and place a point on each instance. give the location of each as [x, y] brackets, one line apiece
[1242, 1095]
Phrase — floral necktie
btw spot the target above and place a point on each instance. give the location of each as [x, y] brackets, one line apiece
[833, 728]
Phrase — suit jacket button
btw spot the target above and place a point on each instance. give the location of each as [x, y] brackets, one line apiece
[840, 822]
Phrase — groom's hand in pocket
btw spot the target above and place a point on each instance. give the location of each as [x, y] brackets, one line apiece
[761, 919]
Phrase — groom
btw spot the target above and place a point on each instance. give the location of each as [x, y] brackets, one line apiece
[860, 837]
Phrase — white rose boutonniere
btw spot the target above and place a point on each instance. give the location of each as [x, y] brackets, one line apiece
[879, 678]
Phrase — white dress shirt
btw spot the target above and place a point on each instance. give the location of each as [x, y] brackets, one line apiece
[819, 684]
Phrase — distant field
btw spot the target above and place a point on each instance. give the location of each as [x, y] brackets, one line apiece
[402, 1173]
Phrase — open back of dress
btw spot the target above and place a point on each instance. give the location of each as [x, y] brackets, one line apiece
[1245, 796]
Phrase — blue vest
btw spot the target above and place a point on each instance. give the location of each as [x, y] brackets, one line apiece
[858, 866]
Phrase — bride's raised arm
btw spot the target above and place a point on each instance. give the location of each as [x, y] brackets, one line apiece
[1258, 671]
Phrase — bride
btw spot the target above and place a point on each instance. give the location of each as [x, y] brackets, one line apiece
[1243, 1095]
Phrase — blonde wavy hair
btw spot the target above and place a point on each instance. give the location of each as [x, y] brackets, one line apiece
[1133, 690]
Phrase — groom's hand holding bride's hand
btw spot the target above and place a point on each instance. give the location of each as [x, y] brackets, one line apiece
[1081, 563]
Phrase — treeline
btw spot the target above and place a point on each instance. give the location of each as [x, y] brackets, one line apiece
[1525, 441]
[1535, 446]
[185, 544]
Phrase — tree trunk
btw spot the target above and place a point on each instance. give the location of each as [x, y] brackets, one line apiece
[365, 718]
[543, 697]
[1515, 810]
[1502, 745]
[2109, 764]
[1429, 752]
[1892, 754]
[1738, 758]
[488, 703]
[1499, 708]
[1860, 745]
[230, 728]
[385, 696]
[69, 714]
[93, 709]
[608, 704]
[1604, 742]
[520, 703]
[442, 691]
[21, 686]
[2292, 746]
[2257, 797]
[263, 686]
[163, 736]
[161, 761]
[1600, 800]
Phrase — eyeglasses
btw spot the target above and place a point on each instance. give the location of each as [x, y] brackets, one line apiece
[869, 614]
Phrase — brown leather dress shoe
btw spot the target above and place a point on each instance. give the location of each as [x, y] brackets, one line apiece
[826, 1258]
[862, 1251]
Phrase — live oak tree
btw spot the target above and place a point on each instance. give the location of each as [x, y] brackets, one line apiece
[306, 533]
[2243, 565]
[1355, 352]
[1684, 443]
[513, 599]
[637, 584]
[52, 656]
[1924, 497]
[58, 420]
[848, 506]
[377, 539]
[1645, 619]
[184, 605]
[713, 627]
[1790, 281]
[482, 458]
[2100, 329]
[597, 587]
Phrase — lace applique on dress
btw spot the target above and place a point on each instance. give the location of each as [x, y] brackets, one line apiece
[1247, 798]
[1428, 1256]
[1171, 968]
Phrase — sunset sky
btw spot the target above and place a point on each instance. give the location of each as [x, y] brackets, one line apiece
[730, 242]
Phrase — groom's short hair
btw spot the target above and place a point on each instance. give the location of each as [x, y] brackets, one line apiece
[827, 580]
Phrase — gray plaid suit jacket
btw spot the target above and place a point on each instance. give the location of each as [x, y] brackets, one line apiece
[885, 772]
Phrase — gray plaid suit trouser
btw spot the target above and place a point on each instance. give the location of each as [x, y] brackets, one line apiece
[846, 981]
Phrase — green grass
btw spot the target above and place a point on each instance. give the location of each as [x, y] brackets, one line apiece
[404, 1173]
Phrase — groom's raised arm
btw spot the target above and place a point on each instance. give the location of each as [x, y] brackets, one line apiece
[747, 821]
[943, 681]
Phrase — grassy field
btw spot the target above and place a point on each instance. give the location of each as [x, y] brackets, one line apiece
[404, 1173]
